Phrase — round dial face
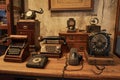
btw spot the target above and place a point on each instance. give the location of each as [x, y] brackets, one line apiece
[94, 21]
[99, 43]
[36, 60]
[29, 13]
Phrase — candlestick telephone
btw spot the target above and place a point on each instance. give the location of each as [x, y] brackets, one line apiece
[52, 46]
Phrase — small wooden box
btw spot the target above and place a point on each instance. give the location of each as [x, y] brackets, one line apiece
[24, 51]
[107, 60]
[76, 40]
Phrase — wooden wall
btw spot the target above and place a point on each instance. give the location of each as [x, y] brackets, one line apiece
[54, 22]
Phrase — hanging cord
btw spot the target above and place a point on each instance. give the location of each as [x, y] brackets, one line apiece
[100, 68]
[66, 65]
[82, 62]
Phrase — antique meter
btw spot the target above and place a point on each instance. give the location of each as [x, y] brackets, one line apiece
[99, 44]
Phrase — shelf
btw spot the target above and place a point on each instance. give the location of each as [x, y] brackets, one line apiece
[2, 6]
[3, 26]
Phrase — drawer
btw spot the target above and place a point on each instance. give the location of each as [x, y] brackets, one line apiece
[81, 37]
[29, 34]
[26, 26]
[79, 46]
[73, 38]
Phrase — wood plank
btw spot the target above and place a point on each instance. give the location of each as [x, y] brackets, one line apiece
[55, 67]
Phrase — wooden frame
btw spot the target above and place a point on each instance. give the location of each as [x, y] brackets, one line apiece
[117, 30]
[57, 5]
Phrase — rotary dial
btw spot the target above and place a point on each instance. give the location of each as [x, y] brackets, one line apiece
[29, 13]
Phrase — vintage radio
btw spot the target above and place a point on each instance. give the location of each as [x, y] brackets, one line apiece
[17, 51]
[52, 46]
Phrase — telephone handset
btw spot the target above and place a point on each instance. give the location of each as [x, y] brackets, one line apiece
[53, 38]
[31, 14]
[74, 57]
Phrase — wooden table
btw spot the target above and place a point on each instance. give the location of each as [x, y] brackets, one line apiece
[55, 68]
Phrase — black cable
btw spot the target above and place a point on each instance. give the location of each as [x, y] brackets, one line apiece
[82, 61]
[64, 67]
[98, 68]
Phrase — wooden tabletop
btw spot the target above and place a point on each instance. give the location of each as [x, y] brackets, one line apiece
[55, 67]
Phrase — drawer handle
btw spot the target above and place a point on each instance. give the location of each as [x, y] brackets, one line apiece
[25, 27]
[81, 48]
[21, 32]
[71, 37]
[81, 38]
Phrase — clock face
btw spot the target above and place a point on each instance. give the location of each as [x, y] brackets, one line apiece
[29, 13]
[94, 21]
[71, 23]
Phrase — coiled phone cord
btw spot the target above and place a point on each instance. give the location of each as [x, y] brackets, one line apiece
[66, 65]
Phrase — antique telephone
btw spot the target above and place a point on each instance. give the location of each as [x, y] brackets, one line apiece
[31, 14]
[74, 58]
[37, 61]
[93, 27]
[17, 51]
[52, 46]
[99, 44]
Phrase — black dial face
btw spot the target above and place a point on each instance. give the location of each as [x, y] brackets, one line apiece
[99, 43]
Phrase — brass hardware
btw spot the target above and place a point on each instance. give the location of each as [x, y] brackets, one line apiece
[25, 27]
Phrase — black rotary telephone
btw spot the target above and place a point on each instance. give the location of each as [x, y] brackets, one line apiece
[99, 44]
[31, 14]
[37, 61]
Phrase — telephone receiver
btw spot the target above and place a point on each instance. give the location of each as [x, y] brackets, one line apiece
[52, 38]
[31, 14]
[35, 11]
[74, 58]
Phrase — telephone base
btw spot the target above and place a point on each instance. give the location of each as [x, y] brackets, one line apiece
[100, 60]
